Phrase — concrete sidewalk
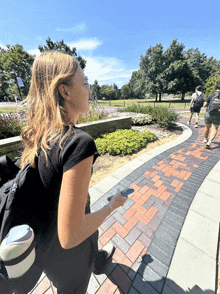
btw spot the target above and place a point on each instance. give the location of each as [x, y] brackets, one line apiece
[167, 233]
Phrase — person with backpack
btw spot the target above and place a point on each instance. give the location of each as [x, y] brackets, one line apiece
[212, 116]
[63, 155]
[196, 104]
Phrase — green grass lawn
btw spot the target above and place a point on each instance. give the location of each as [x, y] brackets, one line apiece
[9, 109]
[170, 103]
[201, 115]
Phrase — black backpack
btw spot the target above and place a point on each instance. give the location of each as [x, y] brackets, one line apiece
[22, 202]
[214, 105]
[198, 102]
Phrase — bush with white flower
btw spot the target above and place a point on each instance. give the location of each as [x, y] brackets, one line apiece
[141, 119]
[137, 118]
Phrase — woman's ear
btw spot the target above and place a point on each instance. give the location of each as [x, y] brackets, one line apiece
[64, 91]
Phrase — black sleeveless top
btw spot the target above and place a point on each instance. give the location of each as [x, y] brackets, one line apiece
[76, 147]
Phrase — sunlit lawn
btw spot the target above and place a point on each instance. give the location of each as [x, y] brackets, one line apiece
[9, 109]
[171, 103]
[201, 115]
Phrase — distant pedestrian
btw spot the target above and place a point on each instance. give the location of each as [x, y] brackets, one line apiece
[196, 104]
[212, 116]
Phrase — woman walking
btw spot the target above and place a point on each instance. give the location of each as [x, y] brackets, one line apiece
[64, 155]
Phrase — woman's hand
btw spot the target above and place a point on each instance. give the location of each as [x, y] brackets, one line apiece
[117, 200]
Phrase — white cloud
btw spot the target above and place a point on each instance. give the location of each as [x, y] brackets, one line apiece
[77, 29]
[107, 70]
[2, 46]
[85, 44]
[39, 39]
[34, 52]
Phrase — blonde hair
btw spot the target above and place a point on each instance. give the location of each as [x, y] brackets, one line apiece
[47, 115]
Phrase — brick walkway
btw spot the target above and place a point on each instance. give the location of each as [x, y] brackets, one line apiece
[146, 229]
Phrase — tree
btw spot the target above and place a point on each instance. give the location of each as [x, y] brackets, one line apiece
[62, 47]
[179, 78]
[126, 92]
[211, 83]
[109, 93]
[117, 92]
[202, 67]
[152, 66]
[114, 86]
[14, 58]
[186, 70]
[177, 74]
[137, 84]
[96, 91]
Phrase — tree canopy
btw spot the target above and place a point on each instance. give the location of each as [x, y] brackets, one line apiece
[14, 62]
[125, 92]
[173, 71]
[211, 84]
[96, 95]
[62, 47]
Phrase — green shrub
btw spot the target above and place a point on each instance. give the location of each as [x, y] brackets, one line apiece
[137, 108]
[123, 142]
[10, 125]
[161, 115]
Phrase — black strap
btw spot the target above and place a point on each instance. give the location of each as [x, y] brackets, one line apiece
[21, 257]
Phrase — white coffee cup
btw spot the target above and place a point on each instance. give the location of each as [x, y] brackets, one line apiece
[17, 241]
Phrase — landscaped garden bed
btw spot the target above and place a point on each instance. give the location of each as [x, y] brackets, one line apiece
[118, 144]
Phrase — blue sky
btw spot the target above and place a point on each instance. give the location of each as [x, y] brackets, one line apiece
[111, 35]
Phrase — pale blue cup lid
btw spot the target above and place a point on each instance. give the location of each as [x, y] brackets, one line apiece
[19, 234]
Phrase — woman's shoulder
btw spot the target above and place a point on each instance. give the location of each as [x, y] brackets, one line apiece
[76, 135]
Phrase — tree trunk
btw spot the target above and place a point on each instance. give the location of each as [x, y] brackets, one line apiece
[183, 96]
[156, 97]
[159, 97]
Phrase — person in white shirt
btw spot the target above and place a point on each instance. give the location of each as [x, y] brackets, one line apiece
[196, 107]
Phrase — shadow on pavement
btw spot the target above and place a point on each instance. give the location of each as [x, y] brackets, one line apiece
[146, 281]
[217, 146]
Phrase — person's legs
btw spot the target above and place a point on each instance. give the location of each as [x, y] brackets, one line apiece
[70, 270]
[191, 115]
[213, 132]
[206, 132]
[208, 123]
[215, 119]
[190, 118]
[212, 135]
[197, 119]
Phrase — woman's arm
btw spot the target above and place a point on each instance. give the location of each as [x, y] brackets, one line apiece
[74, 226]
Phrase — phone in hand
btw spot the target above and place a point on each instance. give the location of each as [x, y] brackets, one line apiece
[124, 193]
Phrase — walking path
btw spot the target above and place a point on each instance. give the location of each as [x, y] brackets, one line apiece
[167, 233]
